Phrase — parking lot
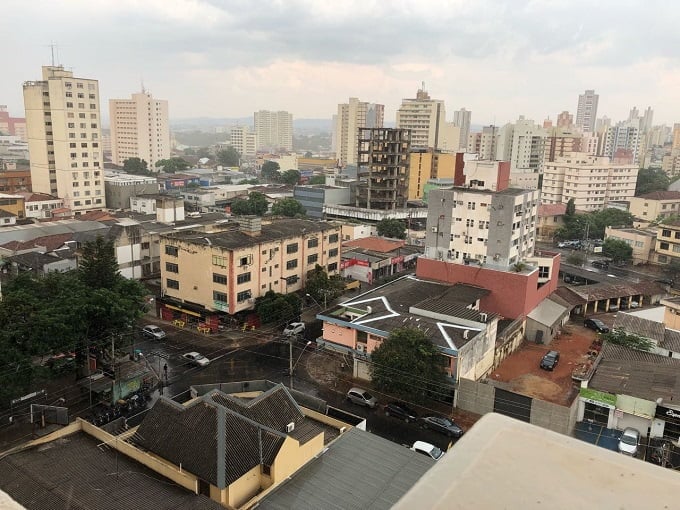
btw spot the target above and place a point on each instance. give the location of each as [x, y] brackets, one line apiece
[522, 372]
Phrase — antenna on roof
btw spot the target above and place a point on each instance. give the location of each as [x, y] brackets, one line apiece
[53, 47]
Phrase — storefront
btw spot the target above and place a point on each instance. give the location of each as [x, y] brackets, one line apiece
[596, 407]
[666, 423]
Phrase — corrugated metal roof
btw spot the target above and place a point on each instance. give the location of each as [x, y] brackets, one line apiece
[359, 471]
[640, 326]
[548, 313]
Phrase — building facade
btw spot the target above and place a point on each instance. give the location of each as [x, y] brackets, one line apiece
[655, 205]
[227, 271]
[352, 116]
[586, 111]
[425, 118]
[668, 242]
[12, 126]
[64, 136]
[623, 139]
[274, 130]
[140, 128]
[592, 182]
[120, 187]
[528, 147]
[431, 164]
[462, 119]
[483, 143]
[244, 141]
[383, 168]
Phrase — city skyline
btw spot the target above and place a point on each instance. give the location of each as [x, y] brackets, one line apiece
[219, 59]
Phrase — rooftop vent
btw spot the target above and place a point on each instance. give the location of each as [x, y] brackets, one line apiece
[290, 427]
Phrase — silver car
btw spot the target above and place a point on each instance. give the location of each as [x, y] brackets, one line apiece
[362, 398]
[629, 442]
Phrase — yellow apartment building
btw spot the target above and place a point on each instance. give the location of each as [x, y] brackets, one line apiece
[655, 205]
[226, 271]
[668, 242]
[428, 164]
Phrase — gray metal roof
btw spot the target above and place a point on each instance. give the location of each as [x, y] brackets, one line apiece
[548, 312]
[32, 231]
[358, 471]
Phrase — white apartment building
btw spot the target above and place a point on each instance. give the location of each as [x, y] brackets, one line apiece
[64, 135]
[591, 181]
[495, 228]
[462, 119]
[586, 111]
[244, 141]
[483, 143]
[351, 117]
[274, 130]
[625, 136]
[140, 128]
[426, 118]
[528, 146]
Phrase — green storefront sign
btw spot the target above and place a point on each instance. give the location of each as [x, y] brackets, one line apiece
[598, 396]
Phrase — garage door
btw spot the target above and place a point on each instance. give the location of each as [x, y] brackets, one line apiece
[512, 404]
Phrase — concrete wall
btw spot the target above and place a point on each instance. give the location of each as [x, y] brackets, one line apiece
[553, 416]
[475, 397]
[509, 341]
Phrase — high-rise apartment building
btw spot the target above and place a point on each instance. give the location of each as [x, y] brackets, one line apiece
[351, 117]
[528, 146]
[13, 126]
[586, 111]
[484, 143]
[432, 164]
[624, 138]
[274, 130]
[140, 128]
[462, 119]
[64, 135]
[244, 141]
[593, 182]
[564, 120]
[383, 168]
[426, 119]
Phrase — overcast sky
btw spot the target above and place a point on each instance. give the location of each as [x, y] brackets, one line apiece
[228, 58]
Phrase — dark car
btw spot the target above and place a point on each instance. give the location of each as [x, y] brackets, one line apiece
[442, 425]
[601, 264]
[597, 325]
[550, 360]
[401, 411]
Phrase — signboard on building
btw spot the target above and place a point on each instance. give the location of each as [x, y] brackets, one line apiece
[667, 414]
[598, 397]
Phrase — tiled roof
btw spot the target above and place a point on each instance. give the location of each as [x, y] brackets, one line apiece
[379, 244]
[95, 216]
[78, 472]
[639, 374]
[671, 340]
[661, 195]
[34, 259]
[608, 290]
[50, 243]
[36, 197]
[640, 326]
[569, 296]
[551, 210]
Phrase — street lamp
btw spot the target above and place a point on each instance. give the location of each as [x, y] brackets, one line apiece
[325, 294]
[291, 365]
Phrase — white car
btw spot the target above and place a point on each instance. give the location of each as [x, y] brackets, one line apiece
[154, 332]
[427, 449]
[197, 359]
[629, 442]
[294, 329]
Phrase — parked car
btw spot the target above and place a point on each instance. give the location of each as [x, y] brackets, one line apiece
[154, 332]
[629, 442]
[597, 325]
[197, 359]
[427, 449]
[601, 264]
[294, 328]
[362, 398]
[665, 281]
[401, 411]
[443, 425]
[550, 360]
[613, 308]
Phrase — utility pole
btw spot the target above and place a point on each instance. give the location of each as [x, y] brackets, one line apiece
[290, 361]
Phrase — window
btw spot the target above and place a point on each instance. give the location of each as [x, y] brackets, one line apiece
[71, 125]
[81, 105]
[292, 264]
[471, 206]
[219, 278]
[312, 243]
[219, 296]
[69, 94]
[79, 85]
[72, 145]
[69, 104]
[83, 145]
[171, 250]
[171, 267]
[663, 259]
[333, 252]
[244, 261]
[219, 261]
[243, 296]
[81, 95]
[332, 267]
[243, 278]
[665, 232]
[333, 238]
[663, 246]
[292, 248]
[312, 259]
[543, 271]
[172, 284]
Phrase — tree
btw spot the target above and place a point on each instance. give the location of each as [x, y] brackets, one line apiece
[290, 177]
[392, 227]
[255, 204]
[98, 267]
[651, 179]
[323, 288]
[618, 251]
[270, 171]
[173, 165]
[317, 179]
[408, 365]
[278, 308]
[620, 337]
[308, 154]
[228, 157]
[576, 259]
[136, 166]
[288, 207]
[571, 208]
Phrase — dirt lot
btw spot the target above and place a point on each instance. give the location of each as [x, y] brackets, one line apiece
[521, 369]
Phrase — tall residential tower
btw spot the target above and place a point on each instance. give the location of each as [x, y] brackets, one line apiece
[64, 135]
[351, 117]
[274, 130]
[586, 112]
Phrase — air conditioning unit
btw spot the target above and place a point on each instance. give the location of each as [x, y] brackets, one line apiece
[434, 229]
[290, 427]
[483, 316]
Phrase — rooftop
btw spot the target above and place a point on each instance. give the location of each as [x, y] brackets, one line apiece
[551, 210]
[379, 244]
[637, 373]
[661, 195]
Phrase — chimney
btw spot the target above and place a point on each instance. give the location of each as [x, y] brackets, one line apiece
[466, 334]
[250, 225]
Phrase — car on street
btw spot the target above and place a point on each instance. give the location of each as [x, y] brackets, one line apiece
[401, 411]
[361, 397]
[427, 449]
[629, 442]
[550, 360]
[196, 359]
[442, 425]
[154, 332]
[596, 325]
[294, 329]
[600, 264]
